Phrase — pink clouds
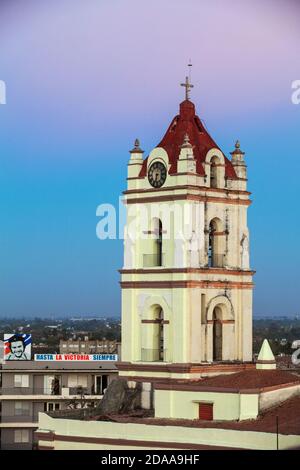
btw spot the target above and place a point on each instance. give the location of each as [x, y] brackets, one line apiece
[99, 59]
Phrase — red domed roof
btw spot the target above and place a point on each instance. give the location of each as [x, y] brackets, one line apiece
[187, 122]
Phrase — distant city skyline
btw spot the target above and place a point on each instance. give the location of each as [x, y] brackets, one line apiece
[58, 318]
[83, 80]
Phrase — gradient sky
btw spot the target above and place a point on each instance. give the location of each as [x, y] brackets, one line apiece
[85, 78]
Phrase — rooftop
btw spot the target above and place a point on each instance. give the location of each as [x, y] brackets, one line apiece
[187, 122]
[252, 380]
[288, 414]
[42, 366]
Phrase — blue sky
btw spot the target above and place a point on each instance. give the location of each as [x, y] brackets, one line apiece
[84, 79]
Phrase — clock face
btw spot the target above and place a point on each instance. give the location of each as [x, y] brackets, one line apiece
[157, 174]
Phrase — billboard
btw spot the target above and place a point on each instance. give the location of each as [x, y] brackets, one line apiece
[17, 347]
[75, 357]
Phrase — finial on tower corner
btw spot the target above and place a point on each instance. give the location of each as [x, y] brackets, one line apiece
[237, 149]
[136, 148]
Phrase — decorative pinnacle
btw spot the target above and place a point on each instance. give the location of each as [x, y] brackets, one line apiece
[237, 150]
[136, 148]
[186, 142]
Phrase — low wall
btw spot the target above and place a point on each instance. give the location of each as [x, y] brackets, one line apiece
[249, 405]
[59, 434]
[271, 398]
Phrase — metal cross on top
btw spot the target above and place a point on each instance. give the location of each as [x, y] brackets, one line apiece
[188, 87]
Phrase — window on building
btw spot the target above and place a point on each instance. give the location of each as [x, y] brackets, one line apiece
[52, 384]
[22, 408]
[214, 172]
[153, 328]
[211, 245]
[51, 406]
[159, 243]
[155, 257]
[77, 380]
[217, 334]
[101, 383]
[21, 380]
[161, 334]
[216, 244]
[21, 435]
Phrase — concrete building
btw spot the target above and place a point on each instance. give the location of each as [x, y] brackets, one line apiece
[29, 387]
[88, 346]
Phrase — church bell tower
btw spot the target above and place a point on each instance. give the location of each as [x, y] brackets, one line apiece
[186, 280]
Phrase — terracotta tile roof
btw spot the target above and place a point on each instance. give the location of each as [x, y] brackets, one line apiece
[187, 122]
[247, 381]
[250, 379]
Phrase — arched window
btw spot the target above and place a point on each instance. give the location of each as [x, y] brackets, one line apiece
[158, 242]
[154, 257]
[217, 334]
[153, 347]
[161, 334]
[214, 172]
[215, 244]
